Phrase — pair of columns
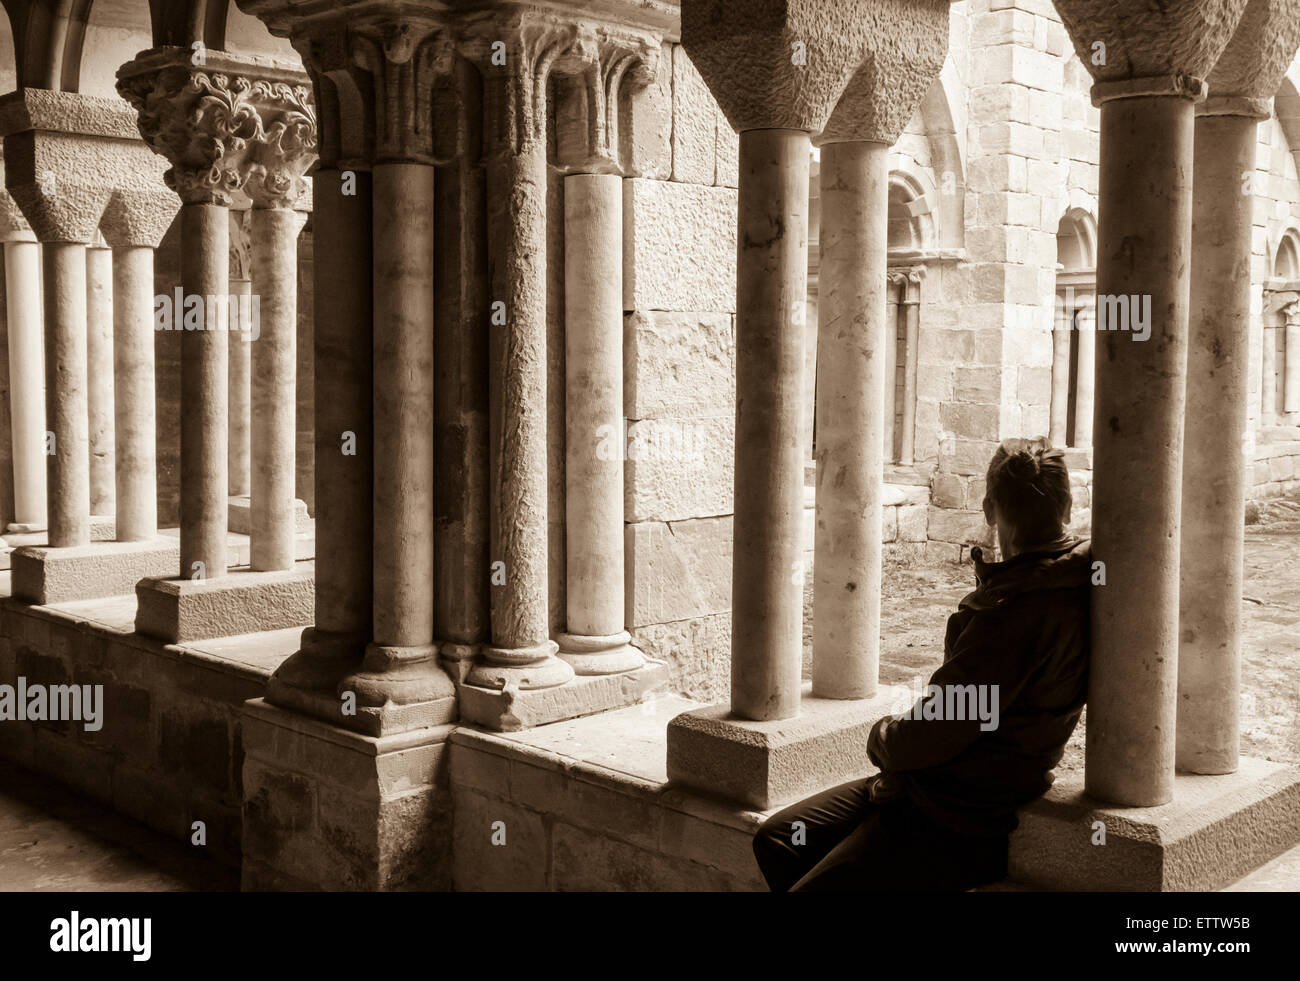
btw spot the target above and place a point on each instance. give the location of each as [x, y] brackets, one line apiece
[905, 294]
[164, 86]
[1289, 335]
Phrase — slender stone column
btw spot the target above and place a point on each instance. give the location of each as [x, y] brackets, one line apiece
[1291, 375]
[26, 380]
[1216, 462]
[1145, 203]
[897, 286]
[99, 393]
[521, 653]
[1085, 325]
[66, 413]
[912, 312]
[460, 395]
[1214, 466]
[240, 363]
[1063, 324]
[272, 337]
[133, 376]
[596, 641]
[854, 414]
[1268, 373]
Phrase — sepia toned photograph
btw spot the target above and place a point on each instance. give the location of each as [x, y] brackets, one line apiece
[657, 448]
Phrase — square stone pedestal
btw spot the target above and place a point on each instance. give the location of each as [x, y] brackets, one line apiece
[239, 515]
[326, 808]
[181, 610]
[771, 764]
[44, 575]
[511, 710]
[1215, 830]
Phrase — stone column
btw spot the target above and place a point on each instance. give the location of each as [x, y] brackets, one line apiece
[1062, 327]
[1147, 97]
[521, 653]
[1216, 462]
[1268, 369]
[26, 379]
[67, 462]
[1084, 320]
[912, 312]
[99, 383]
[857, 353]
[897, 287]
[401, 684]
[134, 225]
[596, 641]
[272, 337]
[240, 359]
[313, 678]
[1291, 370]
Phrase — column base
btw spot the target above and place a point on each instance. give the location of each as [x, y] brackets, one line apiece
[44, 575]
[612, 654]
[512, 709]
[524, 668]
[177, 611]
[329, 809]
[29, 528]
[1216, 830]
[399, 689]
[308, 681]
[771, 764]
[458, 659]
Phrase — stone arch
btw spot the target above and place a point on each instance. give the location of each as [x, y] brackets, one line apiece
[1284, 258]
[941, 127]
[913, 224]
[112, 35]
[182, 22]
[1286, 107]
[48, 39]
[1076, 241]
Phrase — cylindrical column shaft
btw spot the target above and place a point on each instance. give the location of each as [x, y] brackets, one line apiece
[26, 382]
[1214, 463]
[1291, 377]
[133, 379]
[895, 292]
[99, 382]
[1085, 326]
[67, 460]
[1145, 206]
[241, 386]
[852, 415]
[1268, 377]
[205, 272]
[912, 324]
[596, 641]
[403, 394]
[521, 651]
[771, 286]
[273, 331]
[1060, 410]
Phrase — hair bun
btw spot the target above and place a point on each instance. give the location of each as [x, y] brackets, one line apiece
[1022, 465]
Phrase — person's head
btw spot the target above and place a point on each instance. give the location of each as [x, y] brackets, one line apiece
[1027, 495]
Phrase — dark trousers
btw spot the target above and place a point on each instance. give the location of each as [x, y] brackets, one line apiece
[840, 840]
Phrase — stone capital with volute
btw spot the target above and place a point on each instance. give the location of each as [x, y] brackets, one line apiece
[228, 127]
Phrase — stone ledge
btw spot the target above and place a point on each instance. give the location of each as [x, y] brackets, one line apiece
[1216, 830]
[770, 764]
[510, 710]
[239, 518]
[43, 575]
[179, 611]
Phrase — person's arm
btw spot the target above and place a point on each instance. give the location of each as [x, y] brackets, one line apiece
[990, 651]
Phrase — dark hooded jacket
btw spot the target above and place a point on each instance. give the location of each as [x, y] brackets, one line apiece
[1024, 629]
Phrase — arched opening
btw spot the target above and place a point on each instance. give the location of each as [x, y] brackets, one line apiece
[1280, 335]
[1073, 339]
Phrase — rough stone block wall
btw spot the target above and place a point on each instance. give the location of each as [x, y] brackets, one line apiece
[679, 254]
[168, 753]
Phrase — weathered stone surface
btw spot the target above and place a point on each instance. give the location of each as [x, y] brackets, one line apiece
[678, 364]
[59, 575]
[679, 469]
[697, 652]
[913, 523]
[180, 610]
[728, 154]
[678, 570]
[648, 133]
[679, 247]
[515, 709]
[960, 527]
[694, 123]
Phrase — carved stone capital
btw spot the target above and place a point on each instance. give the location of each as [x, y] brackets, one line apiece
[225, 126]
[516, 56]
[240, 244]
[1253, 64]
[902, 56]
[402, 60]
[613, 61]
[1142, 39]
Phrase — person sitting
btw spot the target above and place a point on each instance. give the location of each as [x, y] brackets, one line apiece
[994, 721]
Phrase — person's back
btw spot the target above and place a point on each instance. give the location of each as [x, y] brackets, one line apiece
[993, 722]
